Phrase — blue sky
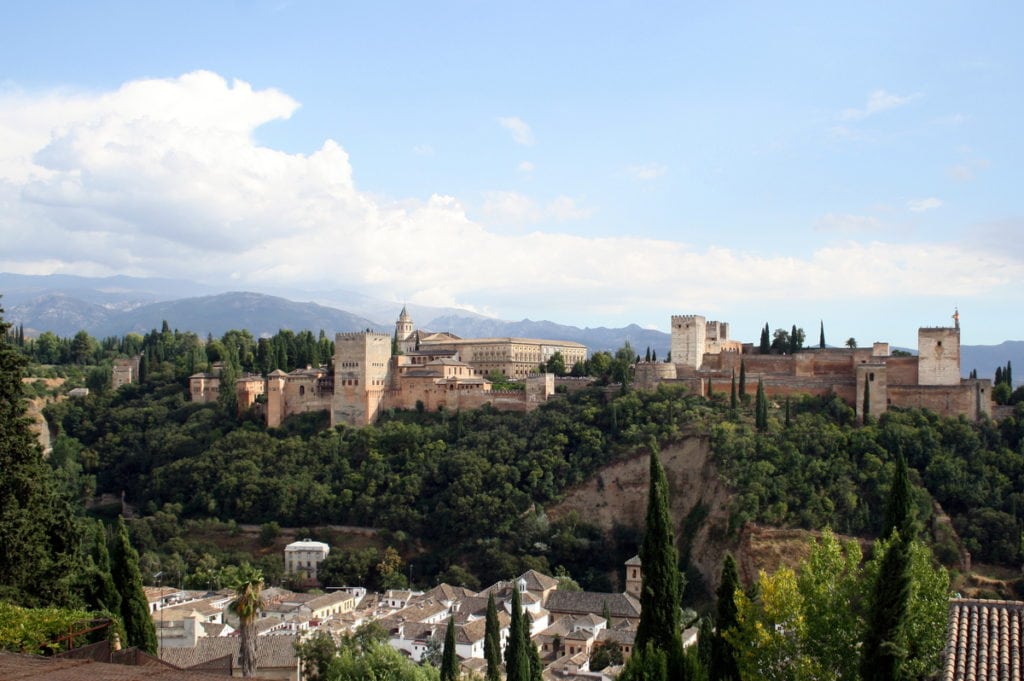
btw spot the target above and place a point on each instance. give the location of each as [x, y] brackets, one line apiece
[592, 163]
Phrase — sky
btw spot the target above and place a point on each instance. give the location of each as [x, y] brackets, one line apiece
[855, 165]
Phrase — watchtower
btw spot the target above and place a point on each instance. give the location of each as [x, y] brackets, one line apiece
[361, 371]
[689, 340]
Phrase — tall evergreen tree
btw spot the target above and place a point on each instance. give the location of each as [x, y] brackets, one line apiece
[536, 667]
[766, 340]
[743, 381]
[39, 558]
[883, 649]
[492, 641]
[660, 617]
[723, 666]
[866, 407]
[517, 664]
[788, 416]
[761, 407]
[99, 590]
[138, 625]
[899, 509]
[733, 403]
[821, 336]
[449, 661]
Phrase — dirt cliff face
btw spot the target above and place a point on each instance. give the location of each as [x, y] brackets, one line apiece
[618, 496]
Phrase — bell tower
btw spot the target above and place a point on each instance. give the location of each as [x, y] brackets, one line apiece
[404, 331]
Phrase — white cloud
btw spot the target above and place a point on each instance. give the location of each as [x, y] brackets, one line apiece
[525, 167]
[878, 101]
[164, 178]
[849, 224]
[647, 171]
[520, 129]
[967, 170]
[423, 150]
[922, 205]
[516, 209]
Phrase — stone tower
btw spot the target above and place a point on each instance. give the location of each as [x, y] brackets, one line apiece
[404, 331]
[362, 363]
[634, 577]
[689, 340]
[938, 351]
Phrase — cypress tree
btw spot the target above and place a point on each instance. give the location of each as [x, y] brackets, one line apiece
[492, 641]
[654, 355]
[1009, 373]
[517, 664]
[867, 401]
[999, 376]
[766, 340]
[138, 625]
[39, 558]
[743, 381]
[732, 394]
[536, 668]
[788, 417]
[723, 667]
[449, 662]
[821, 336]
[883, 649]
[647, 357]
[660, 618]
[761, 407]
[100, 592]
[899, 510]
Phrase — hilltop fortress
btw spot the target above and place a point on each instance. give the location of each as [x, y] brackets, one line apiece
[373, 372]
[706, 360]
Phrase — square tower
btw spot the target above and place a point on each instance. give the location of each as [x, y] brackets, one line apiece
[362, 364]
[938, 351]
[689, 340]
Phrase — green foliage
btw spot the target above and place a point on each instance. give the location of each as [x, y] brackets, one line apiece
[517, 661]
[39, 560]
[884, 648]
[722, 655]
[138, 624]
[492, 641]
[660, 597]
[449, 660]
[38, 631]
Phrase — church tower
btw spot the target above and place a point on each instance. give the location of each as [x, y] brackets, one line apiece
[404, 332]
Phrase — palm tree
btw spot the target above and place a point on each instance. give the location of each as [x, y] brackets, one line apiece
[248, 585]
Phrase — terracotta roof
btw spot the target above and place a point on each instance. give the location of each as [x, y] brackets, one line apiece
[983, 641]
[538, 581]
[35, 667]
[271, 651]
[586, 602]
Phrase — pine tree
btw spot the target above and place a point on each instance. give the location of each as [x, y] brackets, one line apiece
[449, 661]
[761, 407]
[723, 667]
[821, 336]
[660, 618]
[138, 625]
[492, 641]
[517, 663]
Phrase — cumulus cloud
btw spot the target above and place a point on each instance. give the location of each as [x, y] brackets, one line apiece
[520, 129]
[849, 224]
[165, 178]
[878, 101]
[922, 205]
[514, 208]
[647, 171]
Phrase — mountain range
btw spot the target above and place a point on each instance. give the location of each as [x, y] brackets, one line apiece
[113, 306]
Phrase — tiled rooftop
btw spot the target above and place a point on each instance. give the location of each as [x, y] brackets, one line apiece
[983, 641]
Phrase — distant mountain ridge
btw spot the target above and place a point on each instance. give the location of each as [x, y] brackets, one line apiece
[112, 306]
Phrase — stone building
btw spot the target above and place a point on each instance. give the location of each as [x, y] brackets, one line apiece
[706, 360]
[304, 557]
[125, 371]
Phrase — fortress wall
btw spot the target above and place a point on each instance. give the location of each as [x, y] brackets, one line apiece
[902, 370]
[946, 400]
[647, 375]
